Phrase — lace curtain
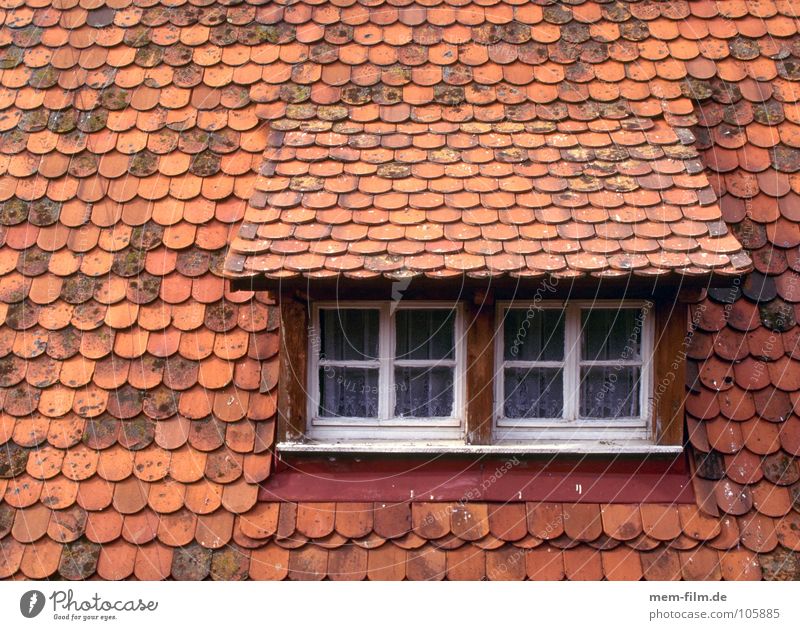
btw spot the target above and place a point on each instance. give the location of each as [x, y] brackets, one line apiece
[534, 393]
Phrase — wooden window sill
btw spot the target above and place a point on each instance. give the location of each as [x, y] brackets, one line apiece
[593, 447]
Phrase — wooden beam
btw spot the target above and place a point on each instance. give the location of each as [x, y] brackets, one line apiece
[292, 381]
[504, 287]
[669, 366]
[480, 370]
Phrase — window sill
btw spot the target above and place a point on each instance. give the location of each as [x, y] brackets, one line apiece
[605, 447]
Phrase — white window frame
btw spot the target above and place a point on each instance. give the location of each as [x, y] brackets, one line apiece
[571, 427]
[385, 426]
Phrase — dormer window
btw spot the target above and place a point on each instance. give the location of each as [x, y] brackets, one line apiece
[422, 375]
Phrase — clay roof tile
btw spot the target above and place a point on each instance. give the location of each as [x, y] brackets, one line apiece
[490, 140]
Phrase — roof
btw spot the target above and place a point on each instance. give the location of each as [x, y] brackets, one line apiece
[482, 139]
[133, 435]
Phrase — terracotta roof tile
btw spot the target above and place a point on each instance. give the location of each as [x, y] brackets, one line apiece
[116, 560]
[140, 528]
[354, 520]
[477, 137]
[121, 456]
[662, 564]
[739, 565]
[153, 562]
[582, 563]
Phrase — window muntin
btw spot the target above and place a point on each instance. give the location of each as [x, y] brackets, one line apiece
[377, 369]
[566, 370]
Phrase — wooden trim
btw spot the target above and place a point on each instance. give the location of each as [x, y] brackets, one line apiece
[485, 477]
[669, 387]
[480, 370]
[505, 287]
[584, 448]
[293, 356]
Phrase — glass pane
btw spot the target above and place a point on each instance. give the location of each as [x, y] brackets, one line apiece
[349, 334]
[423, 392]
[424, 334]
[611, 334]
[534, 335]
[348, 392]
[609, 392]
[533, 393]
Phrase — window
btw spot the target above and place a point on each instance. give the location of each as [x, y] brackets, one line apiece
[479, 375]
[575, 371]
[378, 370]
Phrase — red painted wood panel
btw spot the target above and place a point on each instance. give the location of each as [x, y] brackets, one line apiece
[595, 480]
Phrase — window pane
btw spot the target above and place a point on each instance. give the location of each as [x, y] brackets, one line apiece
[534, 335]
[424, 334]
[349, 334]
[611, 334]
[348, 392]
[423, 392]
[533, 393]
[609, 392]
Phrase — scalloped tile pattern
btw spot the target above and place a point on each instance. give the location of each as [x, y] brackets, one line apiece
[743, 378]
[137, 391]
[131, 419]
[481, 139]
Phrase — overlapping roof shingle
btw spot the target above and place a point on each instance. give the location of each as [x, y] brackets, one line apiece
[133, 434]
[481, 139]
